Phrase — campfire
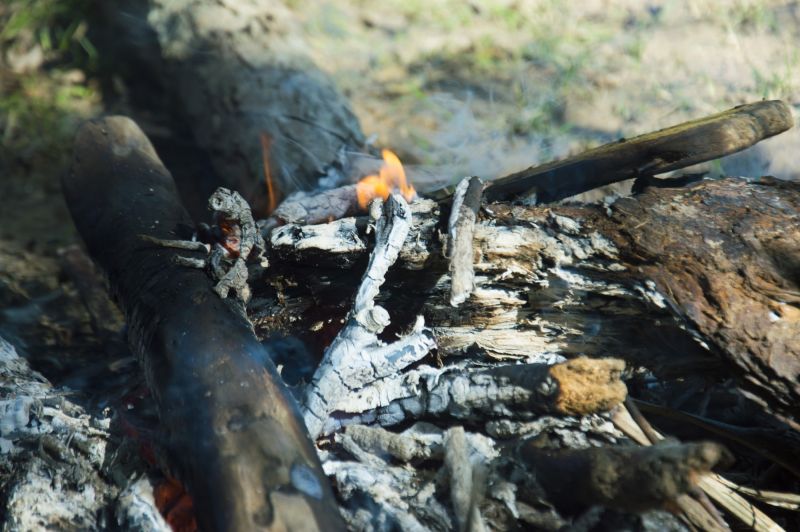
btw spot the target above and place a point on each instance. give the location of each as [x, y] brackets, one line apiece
[334, 349]
[390, 179]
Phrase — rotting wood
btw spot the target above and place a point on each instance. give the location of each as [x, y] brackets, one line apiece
[653, 153]
[232, 429]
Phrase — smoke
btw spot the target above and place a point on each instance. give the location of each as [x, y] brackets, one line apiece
[465, 139]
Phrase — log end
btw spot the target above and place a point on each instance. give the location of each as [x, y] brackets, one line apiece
[588, 385]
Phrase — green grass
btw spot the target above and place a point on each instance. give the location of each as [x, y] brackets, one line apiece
[39, 109]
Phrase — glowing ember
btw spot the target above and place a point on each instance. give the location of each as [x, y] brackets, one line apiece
[175, 505]
[391, 178]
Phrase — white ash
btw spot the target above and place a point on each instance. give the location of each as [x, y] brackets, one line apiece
[573, 432]
[356, 361]
[55, 466]
[386, 498]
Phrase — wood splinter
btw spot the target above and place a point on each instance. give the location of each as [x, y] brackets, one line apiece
[461, 228]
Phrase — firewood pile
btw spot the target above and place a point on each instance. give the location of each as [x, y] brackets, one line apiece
[483, 356]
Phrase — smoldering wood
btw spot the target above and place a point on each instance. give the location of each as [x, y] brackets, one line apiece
[576, 387]
[713, 260]
[236, 73]
[55, 460]
[356, 358]
[551, 281]
[232, 429]
[650, 154]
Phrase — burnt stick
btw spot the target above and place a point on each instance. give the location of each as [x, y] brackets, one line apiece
[650, 154]
[234, 436]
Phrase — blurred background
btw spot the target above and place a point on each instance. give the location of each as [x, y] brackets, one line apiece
[465, 87]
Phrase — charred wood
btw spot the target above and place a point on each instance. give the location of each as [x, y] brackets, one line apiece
[624, 477]
[234, 436]
[461, 227]
[708, 267]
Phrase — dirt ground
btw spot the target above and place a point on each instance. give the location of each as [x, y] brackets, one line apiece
[454, 87]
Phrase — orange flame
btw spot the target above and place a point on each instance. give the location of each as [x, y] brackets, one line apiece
[266, 145]
[391, 177]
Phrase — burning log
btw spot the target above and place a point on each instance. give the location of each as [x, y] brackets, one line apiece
[234, 436]
[650, 253]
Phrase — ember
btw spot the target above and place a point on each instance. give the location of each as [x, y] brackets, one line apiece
[391, 178]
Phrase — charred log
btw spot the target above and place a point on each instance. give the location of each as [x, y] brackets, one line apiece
[626, 477]
[234, 436]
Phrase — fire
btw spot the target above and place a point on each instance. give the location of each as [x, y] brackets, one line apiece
[272, 198]
[390, 178]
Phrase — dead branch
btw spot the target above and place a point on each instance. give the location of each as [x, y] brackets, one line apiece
[654, 153]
